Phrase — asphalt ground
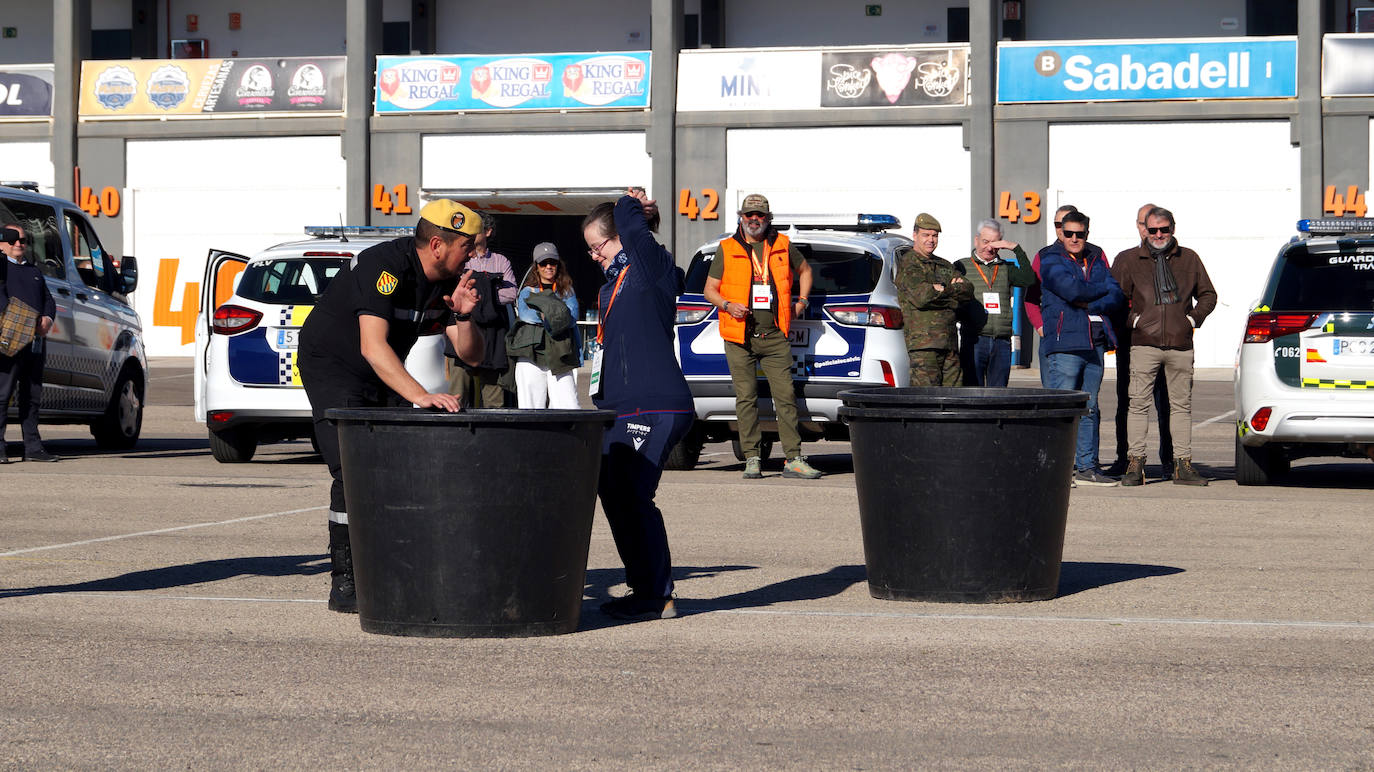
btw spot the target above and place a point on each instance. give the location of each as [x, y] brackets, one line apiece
[159, 610]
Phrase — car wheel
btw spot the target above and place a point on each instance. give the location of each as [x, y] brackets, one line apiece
[119, 427]
[765, 449]
[233, 446]
[686, 454]
[1258, 466]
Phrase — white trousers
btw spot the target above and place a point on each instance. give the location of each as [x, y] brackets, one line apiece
[537, 388]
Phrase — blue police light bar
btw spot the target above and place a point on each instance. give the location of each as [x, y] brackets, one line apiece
[330, 231]
[838, 222]
[1335, 226]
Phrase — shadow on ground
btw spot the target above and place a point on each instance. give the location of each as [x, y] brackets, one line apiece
[1076, 577]
[187, 574]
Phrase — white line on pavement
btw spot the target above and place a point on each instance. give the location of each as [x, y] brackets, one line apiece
[158, 531]
[1216, 418]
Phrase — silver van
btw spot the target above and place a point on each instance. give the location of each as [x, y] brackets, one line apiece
[96, 368]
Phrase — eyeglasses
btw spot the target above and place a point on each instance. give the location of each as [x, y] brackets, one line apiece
[1075, 234]
[1166, 230]
[596, 250]
[754, 216]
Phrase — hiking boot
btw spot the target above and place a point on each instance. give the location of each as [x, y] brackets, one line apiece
[751, 468]
[342, 597]
[1135, 471]
[1094, 477]
[1186, 474]
[639, 607]
[797, 467]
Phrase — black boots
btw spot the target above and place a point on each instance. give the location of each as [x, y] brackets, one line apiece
[341, 597]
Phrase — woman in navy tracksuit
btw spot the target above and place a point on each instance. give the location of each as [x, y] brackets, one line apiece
[641, 381]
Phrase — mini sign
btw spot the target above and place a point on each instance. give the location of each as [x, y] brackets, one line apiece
[873, 10]
[11, 32]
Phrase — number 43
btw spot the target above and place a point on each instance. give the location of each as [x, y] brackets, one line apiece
[1011, 209]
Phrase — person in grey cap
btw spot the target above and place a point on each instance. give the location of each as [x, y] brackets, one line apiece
[546, 346]
[751, 282]
[929, 292]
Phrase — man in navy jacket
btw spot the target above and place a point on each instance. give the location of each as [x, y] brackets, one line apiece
[24, 371]
[1078, 297]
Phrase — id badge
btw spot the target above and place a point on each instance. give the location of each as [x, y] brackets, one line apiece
[761, 296]
[992, 302]
[594, 387]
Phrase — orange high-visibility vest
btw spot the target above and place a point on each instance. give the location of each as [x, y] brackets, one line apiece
[738, 278]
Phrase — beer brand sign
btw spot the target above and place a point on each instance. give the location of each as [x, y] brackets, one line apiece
[418, 84]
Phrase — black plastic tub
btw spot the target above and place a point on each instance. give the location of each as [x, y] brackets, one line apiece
[963, 493]
[471, 524]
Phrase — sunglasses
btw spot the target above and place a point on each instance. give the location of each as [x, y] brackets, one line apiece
[1166, 230]
[547, 263]
[1059, 224]
[754, 216]
[1075, 234]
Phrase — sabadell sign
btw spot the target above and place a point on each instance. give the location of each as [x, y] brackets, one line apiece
[1218, 68]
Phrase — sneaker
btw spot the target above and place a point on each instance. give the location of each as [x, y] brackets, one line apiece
[1186, 474]
[751, 468]
[1135, 471]
[40, 455]
[1117, 468]
[1094, 477]
[798, 468]
[637, 607]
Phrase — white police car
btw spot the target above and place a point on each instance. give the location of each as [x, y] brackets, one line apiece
[1305, 369]
[95, 372]
[247, 388]
[849, 337]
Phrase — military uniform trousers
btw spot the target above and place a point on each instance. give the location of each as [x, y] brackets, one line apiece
[773, 355]
[934, 367]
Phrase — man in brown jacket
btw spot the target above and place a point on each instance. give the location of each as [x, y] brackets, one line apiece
[1170, 295]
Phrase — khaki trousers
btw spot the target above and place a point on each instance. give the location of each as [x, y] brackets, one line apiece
[772, 355]
[1146, 362]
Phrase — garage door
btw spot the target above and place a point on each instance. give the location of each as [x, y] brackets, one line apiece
[898, 170]
[1232, 186]
[240, 195]
[27, 162]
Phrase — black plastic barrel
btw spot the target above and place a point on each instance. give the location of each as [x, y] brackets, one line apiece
[963, 493]
[471, 524]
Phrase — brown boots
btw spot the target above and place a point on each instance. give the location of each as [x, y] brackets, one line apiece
[1184, 472]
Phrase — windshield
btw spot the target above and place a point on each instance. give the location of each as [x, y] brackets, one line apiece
[1323, 282]
[292, 281]
[835, 270]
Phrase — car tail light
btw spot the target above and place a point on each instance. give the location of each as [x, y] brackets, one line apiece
[1261, 418]
[1262, 328]
[232, 320]
[691, 313]
[867, 316]
[887, 372]
[220, 416]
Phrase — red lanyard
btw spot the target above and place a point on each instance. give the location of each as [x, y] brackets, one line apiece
[601, 323]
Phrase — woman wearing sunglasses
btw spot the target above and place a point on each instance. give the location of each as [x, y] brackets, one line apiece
[635, 374]
[546, 345]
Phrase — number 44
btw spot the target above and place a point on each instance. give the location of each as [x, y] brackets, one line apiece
[1352, 202]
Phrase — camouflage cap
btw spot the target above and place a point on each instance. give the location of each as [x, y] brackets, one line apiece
[926, 222]
[754, 202]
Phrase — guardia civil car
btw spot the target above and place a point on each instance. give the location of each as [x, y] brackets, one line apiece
[849, 337]
[247, 387]
[1305, 367]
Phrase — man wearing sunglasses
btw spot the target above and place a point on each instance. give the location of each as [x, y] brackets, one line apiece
[1170, 295]
[23, 283]
[1078, 297]
[1032, 299]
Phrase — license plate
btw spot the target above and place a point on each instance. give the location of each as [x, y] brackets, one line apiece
[286, 337]
[1352, 347]
[799, 336]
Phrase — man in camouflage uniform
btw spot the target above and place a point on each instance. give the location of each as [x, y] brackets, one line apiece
[928, 291]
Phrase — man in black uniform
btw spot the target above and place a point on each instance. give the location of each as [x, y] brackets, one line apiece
[354, 342]
[23, 372]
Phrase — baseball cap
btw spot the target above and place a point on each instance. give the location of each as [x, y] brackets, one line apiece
[754, 202]
[452, 216]
[926, 222]
[545, 251]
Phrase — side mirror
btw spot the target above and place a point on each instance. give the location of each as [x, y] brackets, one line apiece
[128, 273]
